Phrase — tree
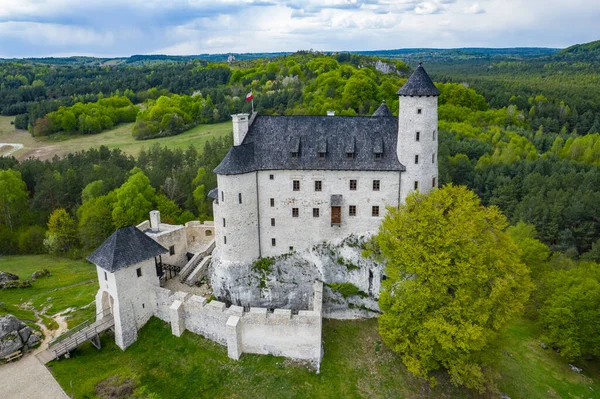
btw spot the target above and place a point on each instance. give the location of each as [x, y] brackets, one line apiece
[95, 220]
[61, 236]
[13, 198]
[454, 280]
[571, 314]
[134, 200]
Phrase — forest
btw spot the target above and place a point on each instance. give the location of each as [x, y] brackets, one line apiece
[520, 129]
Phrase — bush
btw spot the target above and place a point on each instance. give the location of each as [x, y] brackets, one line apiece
[31, 240]
[347, 289]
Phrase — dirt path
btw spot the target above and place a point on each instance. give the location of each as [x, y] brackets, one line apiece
[7, 149]
[61, 320]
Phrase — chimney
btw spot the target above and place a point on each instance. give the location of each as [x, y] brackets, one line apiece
[155, 221]
[330, 113]
[240, 128]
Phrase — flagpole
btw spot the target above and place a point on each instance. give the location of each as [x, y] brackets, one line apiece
[252, 104]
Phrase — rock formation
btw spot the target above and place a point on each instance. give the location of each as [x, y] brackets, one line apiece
[15, 335]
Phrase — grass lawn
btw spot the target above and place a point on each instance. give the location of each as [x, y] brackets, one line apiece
[71, 284]
[356, 364]
[117, 137]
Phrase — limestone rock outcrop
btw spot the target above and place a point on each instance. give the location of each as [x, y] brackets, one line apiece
[15, 335]
[286, 281]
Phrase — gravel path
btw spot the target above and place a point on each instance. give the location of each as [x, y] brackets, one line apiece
[28, 379]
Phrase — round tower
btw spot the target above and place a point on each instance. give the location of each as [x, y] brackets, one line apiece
[418, 134]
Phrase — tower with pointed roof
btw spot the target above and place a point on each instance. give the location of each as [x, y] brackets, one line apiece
[417, 144]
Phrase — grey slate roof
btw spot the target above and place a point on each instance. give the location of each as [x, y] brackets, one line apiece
[419, 84]
[271, 140]
[125, 247]
[383, 110]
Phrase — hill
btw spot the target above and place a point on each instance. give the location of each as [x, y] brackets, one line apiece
[581, 52]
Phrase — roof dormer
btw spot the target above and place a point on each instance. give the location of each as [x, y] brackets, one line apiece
[350, 148]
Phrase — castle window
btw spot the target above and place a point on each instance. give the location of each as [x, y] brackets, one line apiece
[417, 136]
[378, 155]
[222, 196]
[294, 155]
[224, 222]
[208, 233]
[434, 134]
[318, 185]
[416, 185]
[224, 239]
[272, 221]
[138, 271]
[433, 158]
[419, 111]
[105, 276]
[350, 155]
[353, 185]
[295, 212]
[375, 211]
[172, 247]
[273, 242]
[296, 185]
[272, 201]
[321, 155]
[376, 185]
[352, 210]
[315, 212]
[416, 159]
[240, 198]
[291, 249]
[433, 183]
[271, 177]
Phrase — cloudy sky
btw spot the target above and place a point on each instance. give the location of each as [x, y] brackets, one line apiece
[34, 28]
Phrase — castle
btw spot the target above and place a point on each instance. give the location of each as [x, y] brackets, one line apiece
[287, 184]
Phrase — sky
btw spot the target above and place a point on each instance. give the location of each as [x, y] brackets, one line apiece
[116, 28]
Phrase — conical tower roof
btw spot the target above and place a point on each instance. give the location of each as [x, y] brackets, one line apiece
[419, 84]
[125, 247]
[383, 110]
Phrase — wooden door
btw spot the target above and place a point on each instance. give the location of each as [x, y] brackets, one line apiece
[336, 215]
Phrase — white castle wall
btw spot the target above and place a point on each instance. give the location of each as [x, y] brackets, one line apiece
[172, 236]
[199, 233]
[131, 297]
[257, 330]
[305, 230]
[426, 123]
[241, 220]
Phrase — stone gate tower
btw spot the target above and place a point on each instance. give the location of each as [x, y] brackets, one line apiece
[418, 134]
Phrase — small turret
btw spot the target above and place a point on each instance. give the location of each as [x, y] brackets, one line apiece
[417, 133]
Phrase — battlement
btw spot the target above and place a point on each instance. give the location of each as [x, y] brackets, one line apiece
[280, 332]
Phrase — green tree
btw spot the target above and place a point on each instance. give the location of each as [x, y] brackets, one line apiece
[454, 280]
[95, 220]
[13, 198]
[61, 236]
[134, 200]
[571, 314]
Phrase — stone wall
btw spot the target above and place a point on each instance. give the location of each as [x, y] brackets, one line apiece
[249, 231]
[255, 330]
[199, 234]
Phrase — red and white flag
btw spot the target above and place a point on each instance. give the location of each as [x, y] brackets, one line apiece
[249, 96]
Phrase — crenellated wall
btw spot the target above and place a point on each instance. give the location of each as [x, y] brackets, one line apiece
[255, 330]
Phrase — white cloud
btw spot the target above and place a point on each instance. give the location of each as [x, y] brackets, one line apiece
[474, 9]
[117, 27]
